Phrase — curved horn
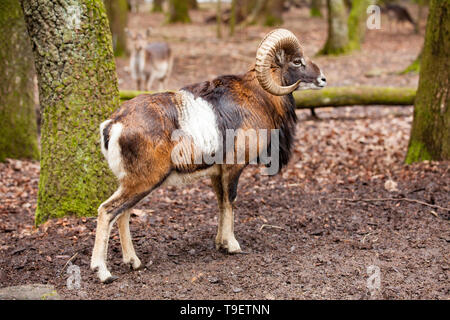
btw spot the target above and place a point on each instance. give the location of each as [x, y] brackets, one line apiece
[272, 42]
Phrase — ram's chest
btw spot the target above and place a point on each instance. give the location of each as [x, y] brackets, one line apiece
[198, 122]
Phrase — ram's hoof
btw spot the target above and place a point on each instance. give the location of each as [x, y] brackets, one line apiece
[110, 279]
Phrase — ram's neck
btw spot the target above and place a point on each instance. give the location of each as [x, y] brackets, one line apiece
[283, 107]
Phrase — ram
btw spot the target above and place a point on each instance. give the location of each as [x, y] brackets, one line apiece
[141, 139]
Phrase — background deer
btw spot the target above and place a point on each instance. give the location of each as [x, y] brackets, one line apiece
[149, 61]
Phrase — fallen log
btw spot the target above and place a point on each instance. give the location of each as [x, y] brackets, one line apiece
[350, 96]
[337, 96]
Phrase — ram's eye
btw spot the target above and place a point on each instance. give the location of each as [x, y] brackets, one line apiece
[299, 62]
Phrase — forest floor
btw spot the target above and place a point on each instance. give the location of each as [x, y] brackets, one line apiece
[302, 238]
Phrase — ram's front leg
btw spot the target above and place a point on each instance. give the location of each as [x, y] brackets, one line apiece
[225, 187]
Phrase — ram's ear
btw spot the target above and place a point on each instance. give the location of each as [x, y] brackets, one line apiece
[280, 58]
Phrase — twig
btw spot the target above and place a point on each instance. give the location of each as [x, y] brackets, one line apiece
[68, 261]
[270, 226]
[393, 199]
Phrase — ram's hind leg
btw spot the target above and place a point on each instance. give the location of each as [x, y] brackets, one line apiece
[99, 254]
[109, 211]
[129, 255]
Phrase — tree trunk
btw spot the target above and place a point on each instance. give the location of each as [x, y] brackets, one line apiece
[244, 9]
[18, 129]
[315, 11]
[254, 10]
[219, 19]
[273, 13]
[157, 6]
[430, 132]
[192, 4]
[337, 41]
[420, 4]
[178, 11]
[77, 90]
[357, 23]
[232, 17]
[338, 96]
[117, 11]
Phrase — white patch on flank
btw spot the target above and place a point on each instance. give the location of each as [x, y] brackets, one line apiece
[197, 119]
[113, 155]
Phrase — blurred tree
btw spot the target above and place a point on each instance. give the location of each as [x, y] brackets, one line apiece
[192, 4]
[430, 132]
[244, 9]
[117, 11]
[232, 17]
[219, 19]
[357, 23]
[178, 11]
[273, 13]
[337, 40]
[77, 90]
[157, 6]
[267, 12]
[316, 5]
[18, 129]
[419, 16]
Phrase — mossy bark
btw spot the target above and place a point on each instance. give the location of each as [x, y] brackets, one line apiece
[316, 6]
[337, 40]
[78, 90]
[178, 11]
[357, 23]
[18, 128]
[117, 11]
[430, 132]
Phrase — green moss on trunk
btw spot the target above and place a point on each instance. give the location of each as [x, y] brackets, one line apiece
[273, 13]
[18, 129]
[77, 90]
[430, 132]
[337, 40]
[357, 23]
[157, 6]
[178, 11]
[315, 8]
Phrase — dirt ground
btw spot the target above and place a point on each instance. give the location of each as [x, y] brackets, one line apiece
[302, 236]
